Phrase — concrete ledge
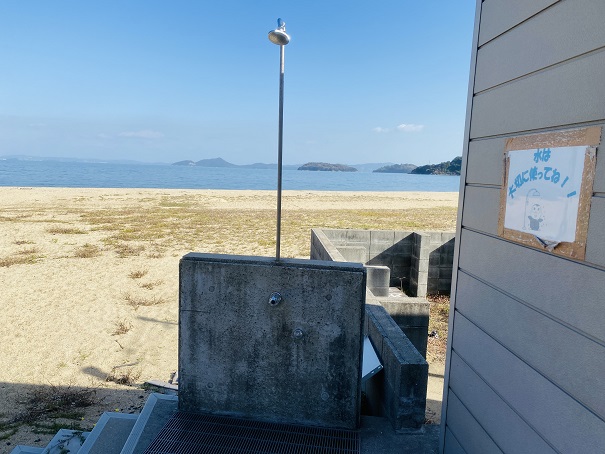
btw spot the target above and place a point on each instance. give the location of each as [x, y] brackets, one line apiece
[399, 392]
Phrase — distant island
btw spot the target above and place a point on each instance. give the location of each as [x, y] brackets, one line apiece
[220, 162]
[444, 168]
[397, 168]
[327, 167]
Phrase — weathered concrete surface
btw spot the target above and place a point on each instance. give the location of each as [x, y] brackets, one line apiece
[241, 356]
[420, 262]
[412, 316]
[398, 392]
[378, 279]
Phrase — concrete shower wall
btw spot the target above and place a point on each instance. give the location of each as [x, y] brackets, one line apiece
[298, 361]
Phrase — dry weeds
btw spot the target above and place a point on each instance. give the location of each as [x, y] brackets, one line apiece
[438, 326]
[127, 377]
[138, 274]
[137, 301]
[87, 251]
[121, 327]
[66, 231]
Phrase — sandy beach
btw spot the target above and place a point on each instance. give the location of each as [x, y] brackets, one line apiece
[90, 279]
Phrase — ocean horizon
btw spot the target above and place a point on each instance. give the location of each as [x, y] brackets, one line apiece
[121, 175]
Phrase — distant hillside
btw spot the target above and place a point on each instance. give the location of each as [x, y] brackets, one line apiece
[220, 162]
[184, 163]
[444, 168]
[371, 166]
[325, 166]
[214, 162]
[397, 168]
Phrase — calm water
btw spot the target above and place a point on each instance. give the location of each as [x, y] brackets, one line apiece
[97, 175]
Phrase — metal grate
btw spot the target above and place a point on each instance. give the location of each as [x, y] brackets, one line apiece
[188, 433]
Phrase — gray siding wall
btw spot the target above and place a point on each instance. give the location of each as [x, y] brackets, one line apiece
[525, 369]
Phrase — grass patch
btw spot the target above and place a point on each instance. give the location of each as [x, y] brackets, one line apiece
[128, 250]
[136, 301]
[87, 251]
[28, 259]
[66, 231]
[138, 274]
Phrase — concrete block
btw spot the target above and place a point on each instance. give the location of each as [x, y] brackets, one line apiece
[405, 372]
[358, 236]
[445, 272]
[298, 361]
[444, 287]
[403, 237]
[356, 254]
[402, 260]
[434, 259]
[423, 266]
[378, 280]
[412, 317]
[380, 254]
[382, 236]
[436, 238]
[325, 247]
[336, 236]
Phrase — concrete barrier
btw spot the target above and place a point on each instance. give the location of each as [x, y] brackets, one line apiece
[399, 391]
[245, 352]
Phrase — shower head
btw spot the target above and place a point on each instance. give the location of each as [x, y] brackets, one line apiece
[279, 35]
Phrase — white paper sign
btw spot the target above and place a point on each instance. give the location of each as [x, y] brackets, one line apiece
[543, 192]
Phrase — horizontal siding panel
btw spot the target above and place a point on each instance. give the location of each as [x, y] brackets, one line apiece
[470, 434]
[498, 16]
[536, 101]
[564, 31]
[485, 162]
[570, 291]
[451, 444]
[572, 361]
[481, 208]
[559, 418]
[595, 243]
[503, 425]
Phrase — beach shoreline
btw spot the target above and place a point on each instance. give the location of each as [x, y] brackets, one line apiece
[90, 276]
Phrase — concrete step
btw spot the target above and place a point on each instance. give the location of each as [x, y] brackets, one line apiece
[155, 414]
[66, 441]
[22, 449]
[110, 434]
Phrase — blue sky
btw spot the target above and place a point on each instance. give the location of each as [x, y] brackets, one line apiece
[162, 81]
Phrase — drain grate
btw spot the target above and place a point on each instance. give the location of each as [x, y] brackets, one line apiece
[188, 433]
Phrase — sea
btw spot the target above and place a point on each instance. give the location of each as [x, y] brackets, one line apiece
[26, 173]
